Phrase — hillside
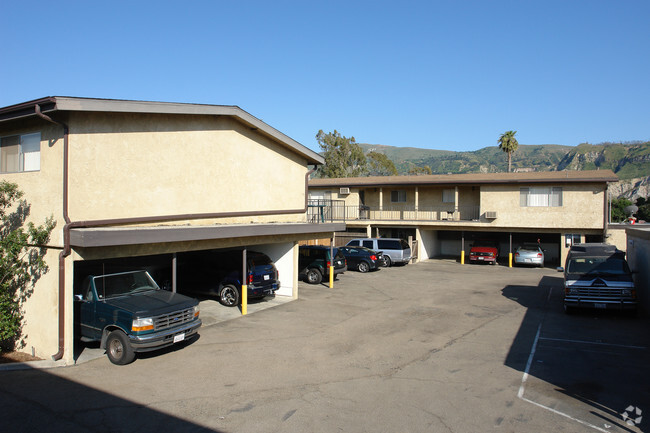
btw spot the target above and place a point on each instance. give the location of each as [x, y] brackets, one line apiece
[628, 161]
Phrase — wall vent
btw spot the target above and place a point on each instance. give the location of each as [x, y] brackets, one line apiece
[490, 215]
[344, 191]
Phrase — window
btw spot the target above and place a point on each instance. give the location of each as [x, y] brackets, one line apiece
[398, 196]
[571, 239]
[448, 196]
[541, 197]
[20, 153]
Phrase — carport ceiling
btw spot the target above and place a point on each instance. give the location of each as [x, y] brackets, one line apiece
[104, 237]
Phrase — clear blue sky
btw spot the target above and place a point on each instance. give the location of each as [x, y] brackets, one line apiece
[432, 74]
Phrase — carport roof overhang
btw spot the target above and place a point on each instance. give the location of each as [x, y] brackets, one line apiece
[116, 236]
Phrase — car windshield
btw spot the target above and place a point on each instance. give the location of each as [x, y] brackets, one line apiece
[114, 285]
[598, 265]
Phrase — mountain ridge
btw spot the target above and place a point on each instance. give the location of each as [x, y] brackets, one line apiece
[627, 160]
[630, 161]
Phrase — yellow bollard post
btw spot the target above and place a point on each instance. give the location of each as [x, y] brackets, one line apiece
[462, 257]
[244, 299]
[510, 260]
[331, 277]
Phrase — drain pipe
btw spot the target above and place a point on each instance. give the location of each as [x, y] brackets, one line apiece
[66, 233]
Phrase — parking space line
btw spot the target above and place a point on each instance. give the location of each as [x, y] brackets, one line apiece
[593, 342]
[524, 378]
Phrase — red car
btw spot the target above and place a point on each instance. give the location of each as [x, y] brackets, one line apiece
[484, 251]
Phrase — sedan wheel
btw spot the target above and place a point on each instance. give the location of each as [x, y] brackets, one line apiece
[229, 296]
[363, 267]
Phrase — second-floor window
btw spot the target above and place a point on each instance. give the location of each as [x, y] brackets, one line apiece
[448, 196]
[20, 153]
[398, 196]
[544, 196]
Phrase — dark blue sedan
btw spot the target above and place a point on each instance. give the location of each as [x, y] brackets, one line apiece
[362, 259]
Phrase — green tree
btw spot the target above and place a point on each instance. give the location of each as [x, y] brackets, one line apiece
[508, 143]
[644, 212]
[343, 156]
[22, 261]
[380, 165]
[418, 170]
[618, 213]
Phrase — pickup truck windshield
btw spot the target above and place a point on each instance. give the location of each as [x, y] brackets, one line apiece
[113, 285]
[598, 265]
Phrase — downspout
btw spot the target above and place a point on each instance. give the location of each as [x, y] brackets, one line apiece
[66, 232]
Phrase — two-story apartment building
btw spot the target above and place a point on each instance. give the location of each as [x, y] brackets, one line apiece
[135, 184]
[447, 213]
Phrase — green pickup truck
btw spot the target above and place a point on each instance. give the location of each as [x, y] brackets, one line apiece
[127, 313]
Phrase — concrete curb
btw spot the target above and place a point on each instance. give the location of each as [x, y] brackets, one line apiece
[32, 365]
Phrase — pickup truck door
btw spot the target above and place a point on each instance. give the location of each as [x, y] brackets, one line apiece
[90, 329]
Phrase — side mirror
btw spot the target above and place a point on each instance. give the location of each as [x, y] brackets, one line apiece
[560, 269]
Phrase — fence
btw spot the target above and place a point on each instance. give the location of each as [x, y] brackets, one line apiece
[321, 211]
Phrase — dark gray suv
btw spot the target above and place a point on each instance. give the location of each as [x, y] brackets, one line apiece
[597, 276]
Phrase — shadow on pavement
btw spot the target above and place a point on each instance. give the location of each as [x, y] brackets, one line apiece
[37, 401]
[591, 366]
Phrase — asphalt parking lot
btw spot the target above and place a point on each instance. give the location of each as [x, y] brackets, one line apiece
[436, 346]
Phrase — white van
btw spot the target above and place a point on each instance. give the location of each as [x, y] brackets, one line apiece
[395, 250]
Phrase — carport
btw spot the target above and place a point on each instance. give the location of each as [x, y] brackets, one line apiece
[451, 243]
[157, 249]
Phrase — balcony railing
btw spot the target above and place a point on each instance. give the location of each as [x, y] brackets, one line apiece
[321, 211]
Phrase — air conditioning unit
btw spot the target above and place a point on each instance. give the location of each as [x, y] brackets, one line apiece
[344, 191]
[490, 215]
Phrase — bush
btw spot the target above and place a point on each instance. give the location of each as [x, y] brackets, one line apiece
[22, 252]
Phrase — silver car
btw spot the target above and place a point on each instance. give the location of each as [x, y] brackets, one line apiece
[529, 254]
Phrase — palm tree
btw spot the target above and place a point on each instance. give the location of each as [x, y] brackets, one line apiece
[508, 143]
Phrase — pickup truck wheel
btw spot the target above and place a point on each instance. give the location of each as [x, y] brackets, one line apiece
[229, 296]
[363, 267]
[118, 349]
[314, 276]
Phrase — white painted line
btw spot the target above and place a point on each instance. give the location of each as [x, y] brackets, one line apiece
[593, 342]
[565, 415]
[520, 394]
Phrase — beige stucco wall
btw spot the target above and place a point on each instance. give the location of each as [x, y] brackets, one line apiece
[42, 192]
[616, 236]
[142, 165]
[582, 208]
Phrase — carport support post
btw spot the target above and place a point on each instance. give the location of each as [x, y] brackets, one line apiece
[244, 286]
[462, 248]
[174, 264]
[510, 253]
[331, 269]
